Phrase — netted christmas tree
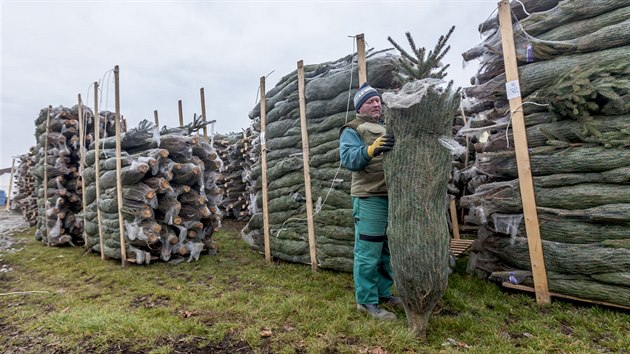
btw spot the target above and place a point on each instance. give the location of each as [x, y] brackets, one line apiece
[417, 173]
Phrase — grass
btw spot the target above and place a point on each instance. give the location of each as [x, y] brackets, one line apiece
[235, 302]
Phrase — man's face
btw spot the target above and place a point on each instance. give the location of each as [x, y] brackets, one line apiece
[372, 107]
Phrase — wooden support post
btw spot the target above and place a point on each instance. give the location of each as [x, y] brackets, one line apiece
[155, 118]
[119, 194]
[454, 223]
[97, 169]
[124, 124]
[263, 155]
[181, 113]
[312, 245]
[361, 59]
[522, 155]
[203, 112]
[82, 165]
[46, 174]
[8, 204]
[10, 184]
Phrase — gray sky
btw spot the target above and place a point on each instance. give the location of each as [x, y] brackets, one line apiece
[167, 50]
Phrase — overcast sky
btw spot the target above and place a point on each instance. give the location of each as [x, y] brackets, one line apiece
[167, 50]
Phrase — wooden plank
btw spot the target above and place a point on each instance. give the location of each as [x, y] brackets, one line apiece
[563, 296]
[522, 156]
[46, 173]
[307, 171]
[82, 166]
[454, 223]
[181, 113]
[203, 112]
[10, 184]
[263, 156]
[460, 246]
[121, 221]
[97, 169]
[361, 59]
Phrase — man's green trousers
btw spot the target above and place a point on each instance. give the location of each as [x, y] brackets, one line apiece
[372, 269]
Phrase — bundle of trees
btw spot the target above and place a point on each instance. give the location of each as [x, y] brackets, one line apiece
[574, 78]
[237, 151]
[25, 201]
[57, 165]
[170, 197]
[328, 106]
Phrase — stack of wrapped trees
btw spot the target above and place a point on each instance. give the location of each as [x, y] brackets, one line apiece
[235, 150]
[25, 201]
[328, 107]
[170, 198]
[573, 60]
[58, 222]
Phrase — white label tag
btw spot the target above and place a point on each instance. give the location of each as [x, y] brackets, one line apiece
[262, 138]
[512, 89]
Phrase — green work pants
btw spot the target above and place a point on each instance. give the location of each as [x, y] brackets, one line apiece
[372, 268]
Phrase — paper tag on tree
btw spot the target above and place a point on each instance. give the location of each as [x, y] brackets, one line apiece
[262, 138]
[513, 89]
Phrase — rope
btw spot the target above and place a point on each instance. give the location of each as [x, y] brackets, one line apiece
[507, 128]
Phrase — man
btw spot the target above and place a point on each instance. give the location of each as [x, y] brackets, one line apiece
[361, 146]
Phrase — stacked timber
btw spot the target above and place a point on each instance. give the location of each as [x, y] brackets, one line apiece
[328, 107]
[170, 197]
[57, 166]
[574, 77]
[235, 150]
[25, 201]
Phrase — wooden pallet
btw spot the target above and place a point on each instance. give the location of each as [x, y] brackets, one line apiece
[562, 296]
[459, 246]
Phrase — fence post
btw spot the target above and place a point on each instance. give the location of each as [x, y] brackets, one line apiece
[525, 180]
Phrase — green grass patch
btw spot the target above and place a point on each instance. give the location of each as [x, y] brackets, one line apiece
[236, 302]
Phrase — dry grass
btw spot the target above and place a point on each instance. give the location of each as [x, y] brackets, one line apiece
[235, 302]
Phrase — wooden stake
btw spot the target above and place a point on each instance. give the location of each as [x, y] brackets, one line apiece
[155, 118]
[361, 59]
[46, 174]
[263, 154]
[181, 113]
[121, 221]
[203, 112]
[82, 165]
[97, 168]
[10, 184]
[522, 155]
[124, 124]
[454, 223]
[307, 172]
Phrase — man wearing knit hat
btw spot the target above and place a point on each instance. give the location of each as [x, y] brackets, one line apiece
[361, 146]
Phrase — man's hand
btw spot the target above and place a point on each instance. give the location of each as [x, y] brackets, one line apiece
[382, 144]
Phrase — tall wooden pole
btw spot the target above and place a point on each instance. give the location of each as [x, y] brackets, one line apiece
[97, 169]
[181, 113]
[82, 165]
[46, 174]
[263, 155]
[522, 155]
[203, 112]
[119, 194]
[361, 59]
[10, 184]
[312, 245]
